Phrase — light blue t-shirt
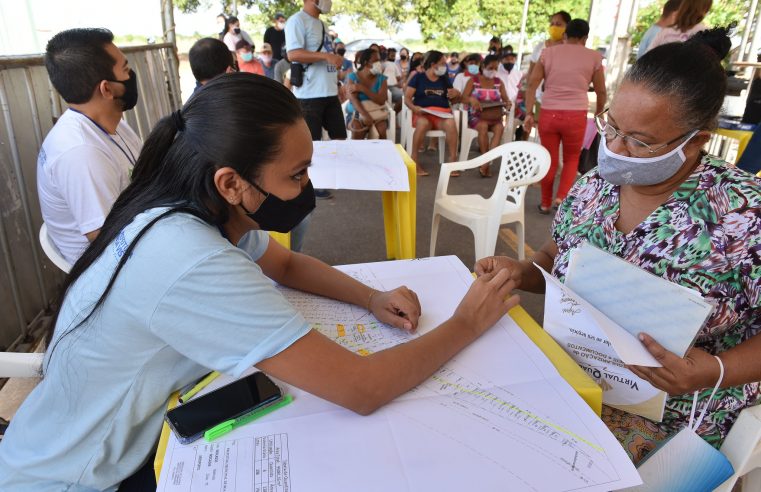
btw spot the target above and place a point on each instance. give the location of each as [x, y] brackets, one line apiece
[304, 32]
[362, 96]
[647, 38]
[185, 302]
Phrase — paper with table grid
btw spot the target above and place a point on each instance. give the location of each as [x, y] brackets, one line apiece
[496, 417]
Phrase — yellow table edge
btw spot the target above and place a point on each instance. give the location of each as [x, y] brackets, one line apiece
[589, 391]
[574, 375]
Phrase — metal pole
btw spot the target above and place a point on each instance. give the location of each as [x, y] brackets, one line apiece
[170, 36]
[741, 53]
[522, 37]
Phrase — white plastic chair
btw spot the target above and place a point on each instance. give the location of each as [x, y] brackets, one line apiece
[408, 132]
[467, 136]
[51, 251]
[373, 134]
[521, 164]
[743, 449]
[20, 365]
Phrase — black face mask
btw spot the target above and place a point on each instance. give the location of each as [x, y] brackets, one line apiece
[402, 57]
[129, 98]
[341, 51]
[508, 66]
[236, 30]
[279, 215]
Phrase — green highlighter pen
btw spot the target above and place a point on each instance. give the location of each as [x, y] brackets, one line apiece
[220, 430]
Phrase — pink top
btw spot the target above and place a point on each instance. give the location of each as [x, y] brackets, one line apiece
[568, 70]
[674, 35]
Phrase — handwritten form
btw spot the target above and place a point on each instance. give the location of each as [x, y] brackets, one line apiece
[496, 417]
[373, 165]
[598, 312]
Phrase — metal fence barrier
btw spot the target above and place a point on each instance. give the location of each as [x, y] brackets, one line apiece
[30, 106]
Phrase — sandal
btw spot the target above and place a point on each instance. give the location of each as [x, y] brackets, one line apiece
[454, 174]
[542, 210]
[422, 172]
[485, 171]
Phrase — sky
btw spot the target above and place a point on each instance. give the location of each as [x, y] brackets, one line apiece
[26, 25]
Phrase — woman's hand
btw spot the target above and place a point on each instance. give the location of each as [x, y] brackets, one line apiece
[528, 122]
[452, 93]
[416, 109]
[492, 264]
[475, 104]
[399, 307]
[488, 299]
[678, 376]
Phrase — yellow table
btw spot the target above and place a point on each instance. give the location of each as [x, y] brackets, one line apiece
[571, 372]
[399, 217]
[742, 136]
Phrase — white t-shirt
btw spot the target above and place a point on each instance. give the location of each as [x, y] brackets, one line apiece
[186, 302]
[304, 32]
[81, 170]
[460, 81]
[393, 73]
[511, 80]
[231, 39]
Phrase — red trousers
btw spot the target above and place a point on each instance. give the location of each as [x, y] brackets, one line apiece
[567, 126]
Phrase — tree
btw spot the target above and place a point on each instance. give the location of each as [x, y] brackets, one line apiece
[444, 20]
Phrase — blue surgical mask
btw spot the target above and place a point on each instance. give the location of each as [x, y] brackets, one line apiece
[473, 69]
[640, 171]
[247, 57]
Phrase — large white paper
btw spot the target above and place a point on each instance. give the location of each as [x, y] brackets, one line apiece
[637, 300]
[496, 417]
[373, 165]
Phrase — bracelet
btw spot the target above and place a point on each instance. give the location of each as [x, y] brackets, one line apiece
[370, 299]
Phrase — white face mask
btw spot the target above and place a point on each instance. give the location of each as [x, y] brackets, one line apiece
[639, 171]
[441, 70]
[376, 68]
[324, 6]
[266, 58]
[281, 25]
[489, 74]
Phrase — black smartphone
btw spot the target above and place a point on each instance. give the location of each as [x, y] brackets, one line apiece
[190, 420]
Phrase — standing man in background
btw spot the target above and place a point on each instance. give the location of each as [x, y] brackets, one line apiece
[510, 74]
[87, 158]
[268, 60]
[308, 44]
[275, 36]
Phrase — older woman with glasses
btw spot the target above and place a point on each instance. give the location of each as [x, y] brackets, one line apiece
[658, 201]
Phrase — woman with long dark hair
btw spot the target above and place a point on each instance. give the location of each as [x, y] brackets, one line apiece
[179, 282]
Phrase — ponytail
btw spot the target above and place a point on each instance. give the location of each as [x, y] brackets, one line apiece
[224, 125]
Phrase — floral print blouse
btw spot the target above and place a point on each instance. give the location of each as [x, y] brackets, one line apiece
[706, 236]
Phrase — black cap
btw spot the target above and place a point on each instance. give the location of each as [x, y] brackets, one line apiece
[279, 15]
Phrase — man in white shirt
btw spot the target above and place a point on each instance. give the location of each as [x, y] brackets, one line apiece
[86, 160]
[510, 75]
[309, 44]
[393, 73]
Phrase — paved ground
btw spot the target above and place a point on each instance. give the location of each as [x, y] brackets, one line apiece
[349, 228]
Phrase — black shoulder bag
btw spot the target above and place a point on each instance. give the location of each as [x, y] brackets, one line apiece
[298, 69]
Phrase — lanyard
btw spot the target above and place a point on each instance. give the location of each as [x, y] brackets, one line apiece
[130, 157]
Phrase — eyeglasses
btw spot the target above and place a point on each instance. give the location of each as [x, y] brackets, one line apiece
[633, 145]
